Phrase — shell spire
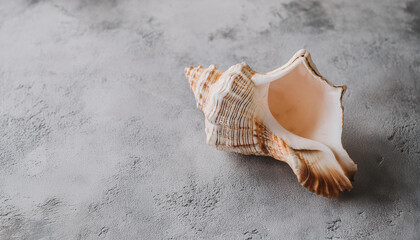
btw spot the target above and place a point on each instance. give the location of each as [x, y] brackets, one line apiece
[193, 76]
[292, 114]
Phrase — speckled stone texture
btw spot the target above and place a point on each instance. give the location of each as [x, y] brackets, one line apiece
[101, 138]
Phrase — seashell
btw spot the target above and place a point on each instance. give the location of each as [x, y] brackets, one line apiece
[292, 114]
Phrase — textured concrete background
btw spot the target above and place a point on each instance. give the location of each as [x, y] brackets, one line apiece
[101, 138]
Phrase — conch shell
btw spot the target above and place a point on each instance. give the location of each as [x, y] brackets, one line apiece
[292, 114]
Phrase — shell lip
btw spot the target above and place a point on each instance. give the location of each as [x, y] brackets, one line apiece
[303, 56]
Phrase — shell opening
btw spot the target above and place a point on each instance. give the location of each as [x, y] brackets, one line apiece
[302, 103]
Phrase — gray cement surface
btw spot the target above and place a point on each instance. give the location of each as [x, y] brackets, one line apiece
[101, 138]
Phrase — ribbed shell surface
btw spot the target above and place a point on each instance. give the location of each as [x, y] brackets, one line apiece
[228, 102]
